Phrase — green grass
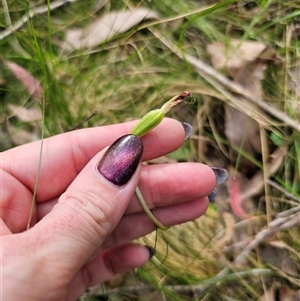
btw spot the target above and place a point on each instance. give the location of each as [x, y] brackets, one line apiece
[125, 77]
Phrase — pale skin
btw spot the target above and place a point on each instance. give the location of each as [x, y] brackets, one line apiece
[83, 225]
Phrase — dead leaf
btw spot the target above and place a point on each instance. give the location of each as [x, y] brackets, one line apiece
[228, 231]
[20, 136]
[255, 185]
[279, 291]
[237, 54]
[242, 132]
[287, 294]
[236, 200]
[245, 62]
[25, 114]
[242, 191]
[105, 28]
[32, 85]
[279, 255]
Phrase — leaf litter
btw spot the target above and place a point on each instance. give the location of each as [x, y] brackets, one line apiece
[245, 62]
[32, 84]
[25, 114]
[105, 28]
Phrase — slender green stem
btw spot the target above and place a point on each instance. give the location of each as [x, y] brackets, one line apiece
[146, 124]
[148, 211]
[43, 102]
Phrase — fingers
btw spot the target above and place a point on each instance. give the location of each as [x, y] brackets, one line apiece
[111, 262]
[64, 156]
[133, 226]
[126, 257]
[14, 208]
[91, 207]
[169, 184]
[164, 185]
[4, 229]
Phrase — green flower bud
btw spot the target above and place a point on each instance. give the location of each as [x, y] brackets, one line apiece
[154, 117]
[148, 122]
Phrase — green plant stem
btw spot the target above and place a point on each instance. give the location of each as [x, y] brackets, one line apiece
[148, 211]
[146, 124]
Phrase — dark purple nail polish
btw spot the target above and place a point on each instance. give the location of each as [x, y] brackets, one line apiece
[151, 250]
[221, 174]
[212, 196]
[121, 159]
[188, 130]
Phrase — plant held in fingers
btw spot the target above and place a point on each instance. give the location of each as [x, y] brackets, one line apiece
[146, 124]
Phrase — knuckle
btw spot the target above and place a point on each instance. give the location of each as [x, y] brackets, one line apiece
[88, 210]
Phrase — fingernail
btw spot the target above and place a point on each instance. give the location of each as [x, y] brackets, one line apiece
[121, 159]
[151, 250]
[221, 174]
[212, 196]
[188, 130]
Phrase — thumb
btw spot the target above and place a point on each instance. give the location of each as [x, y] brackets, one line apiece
[92, 205]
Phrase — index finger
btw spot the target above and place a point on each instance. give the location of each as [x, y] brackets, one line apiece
[64, 155]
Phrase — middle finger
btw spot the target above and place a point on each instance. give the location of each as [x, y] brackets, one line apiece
[162, 185]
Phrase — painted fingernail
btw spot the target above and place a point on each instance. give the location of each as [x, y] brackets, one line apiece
[221, 174]
[212, 196]
[121, 159]
[151, 250]
[188, 130]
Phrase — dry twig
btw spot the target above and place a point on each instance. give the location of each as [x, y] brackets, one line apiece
[225, 85]
[195, 290]
[284, 191]
[280, 223]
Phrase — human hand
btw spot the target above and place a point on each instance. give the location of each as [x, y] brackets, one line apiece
[82, 223]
